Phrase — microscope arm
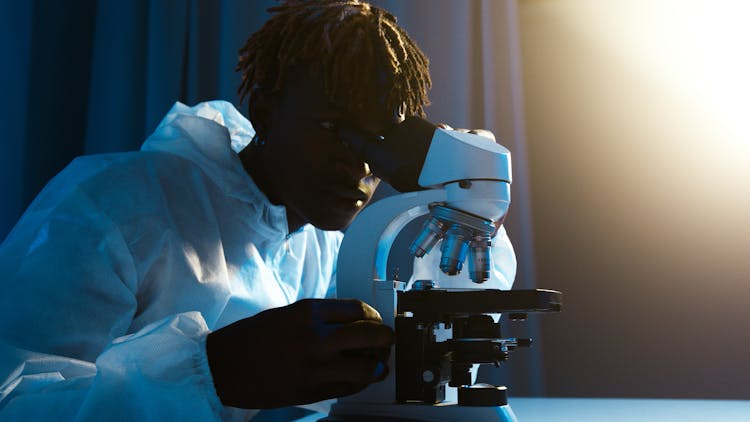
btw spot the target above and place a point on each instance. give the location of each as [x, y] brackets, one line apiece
[363, 255]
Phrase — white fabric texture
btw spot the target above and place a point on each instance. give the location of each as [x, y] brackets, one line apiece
[125, 262]
[118, 270]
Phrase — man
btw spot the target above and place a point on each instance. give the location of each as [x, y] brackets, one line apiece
[173, 283]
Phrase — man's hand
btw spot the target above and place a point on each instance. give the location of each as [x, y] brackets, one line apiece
[311, 350]
[481, 132]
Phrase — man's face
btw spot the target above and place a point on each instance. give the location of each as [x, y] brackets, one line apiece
[308, 168]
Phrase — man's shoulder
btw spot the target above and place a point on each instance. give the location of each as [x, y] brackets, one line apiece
[115, 179]
[90, 166]
[137, 169]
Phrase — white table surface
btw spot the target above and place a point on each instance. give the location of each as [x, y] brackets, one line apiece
[628, 410]
[621, 410]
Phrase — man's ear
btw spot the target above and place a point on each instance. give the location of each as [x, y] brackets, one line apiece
[260, 111]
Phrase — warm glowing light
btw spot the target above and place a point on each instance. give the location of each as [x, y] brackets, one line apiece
[694, 52]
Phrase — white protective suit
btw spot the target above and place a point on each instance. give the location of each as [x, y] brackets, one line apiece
[119, 269]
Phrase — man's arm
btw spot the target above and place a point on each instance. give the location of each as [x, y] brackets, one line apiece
[68, 299]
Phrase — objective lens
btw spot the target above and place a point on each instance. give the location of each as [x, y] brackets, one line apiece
[432, 231]
[455, 246]
[479, 259]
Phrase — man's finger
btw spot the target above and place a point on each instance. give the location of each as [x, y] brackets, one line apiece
[343, 310]
[358, 335]
[349, 370]
[481, 132]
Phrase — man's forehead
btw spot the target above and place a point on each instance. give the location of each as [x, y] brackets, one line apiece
[306, 90]
[372, 118]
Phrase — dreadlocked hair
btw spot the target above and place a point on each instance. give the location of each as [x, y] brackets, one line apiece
[357, 49]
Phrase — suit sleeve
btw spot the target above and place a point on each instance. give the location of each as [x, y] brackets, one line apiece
[68, 295]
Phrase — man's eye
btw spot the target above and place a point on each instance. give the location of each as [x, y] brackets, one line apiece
[328, 125]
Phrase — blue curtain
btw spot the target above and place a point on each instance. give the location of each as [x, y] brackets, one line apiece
[94, 76]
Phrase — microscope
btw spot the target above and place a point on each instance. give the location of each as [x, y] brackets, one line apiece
[462, 181]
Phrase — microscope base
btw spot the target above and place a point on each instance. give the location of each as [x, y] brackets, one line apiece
[448, 412]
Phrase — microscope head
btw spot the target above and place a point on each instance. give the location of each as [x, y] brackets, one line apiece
[475, 173]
